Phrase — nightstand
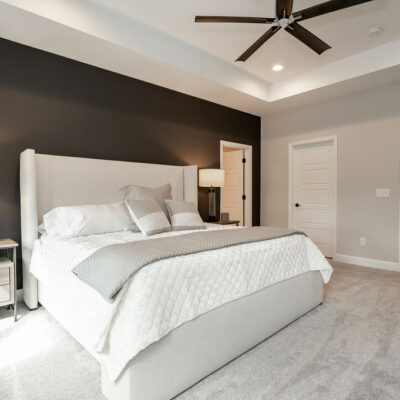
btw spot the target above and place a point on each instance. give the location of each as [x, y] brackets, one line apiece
[233, 222]
[8, 274]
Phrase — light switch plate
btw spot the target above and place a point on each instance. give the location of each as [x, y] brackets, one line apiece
[363, 241]
[382, 192]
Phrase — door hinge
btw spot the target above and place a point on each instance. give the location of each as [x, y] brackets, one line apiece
[244, 197]
[243, 160]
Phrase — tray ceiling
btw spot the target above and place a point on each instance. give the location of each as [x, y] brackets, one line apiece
[158, 41]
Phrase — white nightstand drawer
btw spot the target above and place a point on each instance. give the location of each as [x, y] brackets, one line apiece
[4, 276]
[5, 293]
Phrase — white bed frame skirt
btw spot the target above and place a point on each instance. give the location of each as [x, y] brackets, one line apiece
[201, 346]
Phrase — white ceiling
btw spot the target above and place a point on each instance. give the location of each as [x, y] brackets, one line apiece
[157, 41]
[346, 31]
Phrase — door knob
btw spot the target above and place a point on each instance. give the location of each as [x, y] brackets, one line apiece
[297, 205]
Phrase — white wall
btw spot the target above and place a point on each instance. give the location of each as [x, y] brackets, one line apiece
[367, 125]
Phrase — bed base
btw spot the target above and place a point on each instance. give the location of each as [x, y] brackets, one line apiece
[205, 344]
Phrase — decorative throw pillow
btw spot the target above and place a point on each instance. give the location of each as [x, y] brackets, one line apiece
[148, 216]
[184, 215]
[135, 192]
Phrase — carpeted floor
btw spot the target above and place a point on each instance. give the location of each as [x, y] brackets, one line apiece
[348, 348]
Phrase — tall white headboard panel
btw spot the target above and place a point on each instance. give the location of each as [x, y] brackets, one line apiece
[51, 181]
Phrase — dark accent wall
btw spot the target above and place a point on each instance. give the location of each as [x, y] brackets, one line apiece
[59, 106]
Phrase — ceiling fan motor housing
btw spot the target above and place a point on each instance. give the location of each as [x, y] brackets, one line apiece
[286, 21]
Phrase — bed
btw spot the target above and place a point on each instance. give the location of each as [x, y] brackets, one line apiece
[167, 358]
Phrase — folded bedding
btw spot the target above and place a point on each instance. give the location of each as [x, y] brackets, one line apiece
[110, 267]
[182, 280]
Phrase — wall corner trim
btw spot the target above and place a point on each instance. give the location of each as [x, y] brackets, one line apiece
[367, 262]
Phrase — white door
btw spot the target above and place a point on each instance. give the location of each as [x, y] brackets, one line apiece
[314, 194]
[232, 192]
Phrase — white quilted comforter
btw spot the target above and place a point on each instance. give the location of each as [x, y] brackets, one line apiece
[170, 292]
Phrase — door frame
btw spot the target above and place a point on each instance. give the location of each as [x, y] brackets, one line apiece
[248, 177]
[301, 143]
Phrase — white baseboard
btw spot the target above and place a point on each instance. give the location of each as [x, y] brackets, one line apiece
[367, 262]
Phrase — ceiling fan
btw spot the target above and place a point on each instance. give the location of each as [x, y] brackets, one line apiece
[288, 20]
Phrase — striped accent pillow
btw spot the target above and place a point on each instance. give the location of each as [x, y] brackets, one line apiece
[183, 215]
[148, 216]
[135, 192]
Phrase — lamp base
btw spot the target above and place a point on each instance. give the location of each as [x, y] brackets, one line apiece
[211, 205]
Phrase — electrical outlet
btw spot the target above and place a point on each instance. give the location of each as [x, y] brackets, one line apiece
[363, 241]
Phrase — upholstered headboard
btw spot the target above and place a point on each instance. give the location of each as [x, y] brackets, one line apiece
[51, 181]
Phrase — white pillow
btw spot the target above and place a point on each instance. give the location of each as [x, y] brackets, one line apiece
[72, 221]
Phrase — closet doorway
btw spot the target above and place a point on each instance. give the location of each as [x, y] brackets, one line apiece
[236, 195]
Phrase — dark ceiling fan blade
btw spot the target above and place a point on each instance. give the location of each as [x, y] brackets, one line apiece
[258, 43]
[327, 7]
[249, 20]
[281, 6]
[308, 38]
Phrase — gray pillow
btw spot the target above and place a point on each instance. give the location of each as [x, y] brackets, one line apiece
[148, 216]
[184, 215]
[135, 192]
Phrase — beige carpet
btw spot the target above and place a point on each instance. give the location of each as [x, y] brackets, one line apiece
[348, 348]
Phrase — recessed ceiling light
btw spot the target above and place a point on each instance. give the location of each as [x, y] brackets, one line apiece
[277, 67]
[375, 30]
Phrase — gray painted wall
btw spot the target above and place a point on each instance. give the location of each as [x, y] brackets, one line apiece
[367, 125]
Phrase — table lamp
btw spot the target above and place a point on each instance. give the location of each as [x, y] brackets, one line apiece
[211, 178]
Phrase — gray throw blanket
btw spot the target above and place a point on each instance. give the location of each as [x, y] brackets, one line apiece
[108, 268]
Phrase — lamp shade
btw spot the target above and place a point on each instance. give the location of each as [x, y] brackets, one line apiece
[211, 177]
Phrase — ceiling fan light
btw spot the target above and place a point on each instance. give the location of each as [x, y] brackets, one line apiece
[277, 67]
